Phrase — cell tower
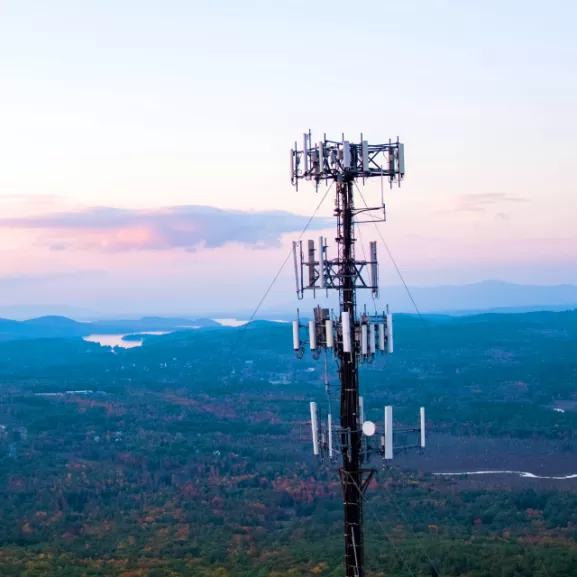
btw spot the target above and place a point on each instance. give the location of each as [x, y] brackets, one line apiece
[353, 339]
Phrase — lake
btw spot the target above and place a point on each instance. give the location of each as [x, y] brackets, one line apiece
[116, 340]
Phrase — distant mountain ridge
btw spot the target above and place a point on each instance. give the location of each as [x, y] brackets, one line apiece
[63, 327]
[474, 298]
[56, 327]
[492, 295]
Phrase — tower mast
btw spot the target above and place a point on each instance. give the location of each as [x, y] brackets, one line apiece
[354, 339]
[350, 472]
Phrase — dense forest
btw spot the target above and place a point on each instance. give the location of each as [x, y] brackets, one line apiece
[190, 455]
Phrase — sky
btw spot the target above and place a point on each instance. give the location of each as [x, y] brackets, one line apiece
[144, 145]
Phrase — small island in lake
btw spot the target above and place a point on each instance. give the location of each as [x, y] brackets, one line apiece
[136, 337]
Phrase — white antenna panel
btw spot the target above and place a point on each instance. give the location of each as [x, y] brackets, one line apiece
[364, 340]
[321, 165]
[372, 339]
[311, 263]
[388, 432]
[422, 427]
[306, 151]
[314, 426]
[330, 436]
[361, 410]
[390, 347]
[296, 266]
[346, 154]
[365, 155]
[382, 337]
[401, 158]
[346, 325]
[329, 330]
[321, 262]
[374, 267]
[312, 335]
[292, 164]
[296, 337]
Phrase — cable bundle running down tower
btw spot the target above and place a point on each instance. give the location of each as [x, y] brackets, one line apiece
[353, 339]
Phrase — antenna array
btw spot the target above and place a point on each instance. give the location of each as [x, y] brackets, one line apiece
[353, 339]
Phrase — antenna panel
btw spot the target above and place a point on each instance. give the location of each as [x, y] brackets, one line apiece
[346, 326]
[365, 155]
[388, 432]
[381, 337]
[374, 267]
[390, 347]
[372, 339]
[329, 335]
[361, 410]
[392, 164]
[321, 263]
[297, 280]
[422, 427]
[401, 161]
[364, 341]
[314, 426]
[311, 263]
[330, 423]
[346, 154]
[296, 336]
[312, 335]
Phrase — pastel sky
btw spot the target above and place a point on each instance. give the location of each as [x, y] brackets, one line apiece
[135, 135]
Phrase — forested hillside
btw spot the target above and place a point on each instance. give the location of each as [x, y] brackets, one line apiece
[191, 456]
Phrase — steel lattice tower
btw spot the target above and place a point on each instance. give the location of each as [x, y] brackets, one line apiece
[353, 338]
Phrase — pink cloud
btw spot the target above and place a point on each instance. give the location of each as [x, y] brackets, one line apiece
[481, 202]
[181, 227]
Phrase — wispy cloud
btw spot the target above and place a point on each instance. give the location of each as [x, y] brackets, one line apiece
[482, 202]
[176, 227]
[31, 279]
